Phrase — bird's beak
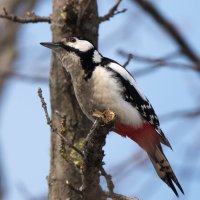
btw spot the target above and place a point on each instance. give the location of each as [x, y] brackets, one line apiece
[51, 45]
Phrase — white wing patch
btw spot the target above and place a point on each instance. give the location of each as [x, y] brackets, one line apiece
[119, 69]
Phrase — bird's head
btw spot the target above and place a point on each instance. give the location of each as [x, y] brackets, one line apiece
[74, 49]
[70, 44]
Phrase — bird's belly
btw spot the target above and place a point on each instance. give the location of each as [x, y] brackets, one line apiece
[126, 113]
[97, 99]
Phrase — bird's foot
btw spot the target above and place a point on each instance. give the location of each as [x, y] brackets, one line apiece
[107, 116]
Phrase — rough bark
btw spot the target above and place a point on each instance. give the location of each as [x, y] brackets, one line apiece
[70, 17]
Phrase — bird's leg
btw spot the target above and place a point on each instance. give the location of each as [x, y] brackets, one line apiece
[106, 116]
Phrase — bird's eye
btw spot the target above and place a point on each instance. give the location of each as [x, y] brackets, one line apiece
[71, 39]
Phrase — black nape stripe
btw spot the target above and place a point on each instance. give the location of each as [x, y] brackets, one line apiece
[87, 62]
[86, 59]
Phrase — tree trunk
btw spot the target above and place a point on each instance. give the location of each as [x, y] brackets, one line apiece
[70, 17]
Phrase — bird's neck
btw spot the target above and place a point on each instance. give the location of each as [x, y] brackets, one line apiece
[89, 60]
[81, 64]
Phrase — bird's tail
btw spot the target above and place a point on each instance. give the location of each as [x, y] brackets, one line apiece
[164, 169]
[149, 139]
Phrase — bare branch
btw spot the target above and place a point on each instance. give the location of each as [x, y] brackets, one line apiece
[112, 12]
[5, 11]
[130, 57]
[159, 65]
[8, 52]
[30, 17]
[53, 128]
[23, 77]
[148, 59]
[44, 106]
[156, 63]
[108, 179]
[185, 48]
[181, 114]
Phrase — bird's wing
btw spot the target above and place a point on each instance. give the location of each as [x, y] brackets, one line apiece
[134, 96]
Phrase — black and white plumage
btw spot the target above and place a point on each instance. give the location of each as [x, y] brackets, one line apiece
[101, 83]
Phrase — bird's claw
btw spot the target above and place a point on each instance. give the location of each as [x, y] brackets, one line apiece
[107, 116]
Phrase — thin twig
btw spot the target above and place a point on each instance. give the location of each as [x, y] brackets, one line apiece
[54, 129]
[157, 63]
[185, 48]
[130, 57]
[173, 65]
[44, 106]
[5, 11]
[29, 18]
[108, 179]
[112, 12]
[148, 59]
[181, 114]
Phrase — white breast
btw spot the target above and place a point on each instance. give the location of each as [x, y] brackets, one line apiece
[108, 92]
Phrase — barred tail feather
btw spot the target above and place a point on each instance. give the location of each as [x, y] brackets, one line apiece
[164, 169]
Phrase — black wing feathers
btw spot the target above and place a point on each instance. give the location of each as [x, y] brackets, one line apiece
[142, 104]
[132, 96]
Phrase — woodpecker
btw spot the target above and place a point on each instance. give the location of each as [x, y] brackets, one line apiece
[101, 83]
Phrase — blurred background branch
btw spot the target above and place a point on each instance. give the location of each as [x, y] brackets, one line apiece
[9, 32]
[23, 77]
[169, 28]
[112, 12]
[30, 17]
[158, 63]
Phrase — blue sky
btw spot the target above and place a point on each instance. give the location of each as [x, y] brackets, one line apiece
[25, 136]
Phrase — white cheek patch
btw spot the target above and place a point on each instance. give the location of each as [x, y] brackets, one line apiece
[81, 45]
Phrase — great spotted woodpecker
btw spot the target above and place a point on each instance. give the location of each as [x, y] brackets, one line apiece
[101, 83]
